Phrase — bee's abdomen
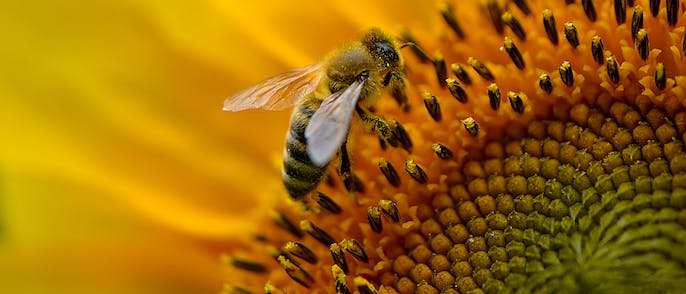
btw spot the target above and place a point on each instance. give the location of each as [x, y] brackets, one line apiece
[300, 175]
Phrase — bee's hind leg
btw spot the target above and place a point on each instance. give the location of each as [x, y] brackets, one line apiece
[351, 182]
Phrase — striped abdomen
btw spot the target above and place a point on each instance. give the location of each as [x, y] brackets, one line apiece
[300, 175]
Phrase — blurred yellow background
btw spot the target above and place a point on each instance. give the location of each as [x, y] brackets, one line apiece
[118, 171]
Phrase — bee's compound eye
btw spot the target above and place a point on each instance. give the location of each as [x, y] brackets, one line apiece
[387, 52]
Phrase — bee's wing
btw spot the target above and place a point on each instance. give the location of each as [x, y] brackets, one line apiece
[329, 124]
[279, 92]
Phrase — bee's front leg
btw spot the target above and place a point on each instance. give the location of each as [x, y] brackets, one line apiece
[397, 84]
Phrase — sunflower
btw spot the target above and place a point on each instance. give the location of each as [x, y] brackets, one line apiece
[119, 174]
[540, 149]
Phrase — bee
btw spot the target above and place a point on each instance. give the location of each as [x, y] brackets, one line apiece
[325, 96]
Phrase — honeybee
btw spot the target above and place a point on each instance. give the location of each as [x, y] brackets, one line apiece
[325, 96]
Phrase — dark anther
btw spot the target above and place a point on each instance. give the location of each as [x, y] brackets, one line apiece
[549, 25]
[296, 272]
[589, 9]
[571, 34]
[456, 90]
[355, 249]
[440, 68]
[654, 7]
[338, 257]
[327, 203]
[545, 83]
[636, 21]
[317, 233]
[494, 96]
[432, 106]
[494, 12]
[481, 69]
[642, 43]
[460, 73]
[301, 251]
[449, 17]
[620, 11]
[515, 26]
[660, 76]
[597, 49]
[514, 53]
[282, 221]
[471, 126]
[389, 172]
[521, 4]
[613, 69]
[442, 151]
[374, 218]
[516, 102]
[247, 265]
[672, 11]
[415, 171]
[340, 280]
[566, 74]
[401, 135]
[389, 208]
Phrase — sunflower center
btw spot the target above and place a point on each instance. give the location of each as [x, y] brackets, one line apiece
[558, 210]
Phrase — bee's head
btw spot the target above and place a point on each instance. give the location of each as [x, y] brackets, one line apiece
[383, 49]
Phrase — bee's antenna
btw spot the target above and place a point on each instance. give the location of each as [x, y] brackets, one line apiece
[417, 51]
[409, 44]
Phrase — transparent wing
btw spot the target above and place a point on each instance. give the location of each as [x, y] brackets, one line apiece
[277, 93]
[329, 124]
